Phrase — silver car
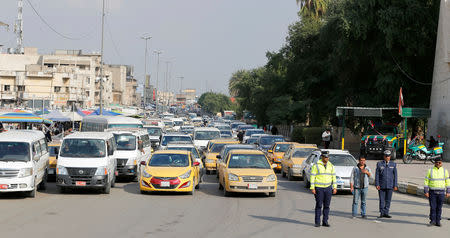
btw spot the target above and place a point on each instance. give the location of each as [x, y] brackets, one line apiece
[343, 163]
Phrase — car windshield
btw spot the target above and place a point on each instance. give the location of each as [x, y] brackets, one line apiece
[154, 131]
[216, 148]
[268, 140]
[248, 161]
[187, 130]
[245, 127]
[223, 127]
[169, 139]
[342, 160]
[125, 141]
[206, 135]
[251, 140]
[169, 160]
[251, 132]
[302, 152]
[282, 147]
[191, 149]
[83, 148]
[125, 126]
[168, 123]
[53, 150]
[381, 130]
[178, 123]
[14, 151]
[235, 125]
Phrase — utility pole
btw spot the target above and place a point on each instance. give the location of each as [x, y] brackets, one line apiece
[181, 83]
[101, 60]
[158, 52]
[146, 81]
[18, 27]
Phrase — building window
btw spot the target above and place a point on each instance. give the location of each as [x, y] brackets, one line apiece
[88, 80]
[96, 94]
[87, 93]
[57, 89]
[6, 88]
[67, 89]
[82, 67]
[21, 88]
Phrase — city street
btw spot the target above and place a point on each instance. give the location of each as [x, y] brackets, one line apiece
[127, 213]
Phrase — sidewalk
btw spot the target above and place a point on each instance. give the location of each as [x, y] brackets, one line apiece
[410, 176]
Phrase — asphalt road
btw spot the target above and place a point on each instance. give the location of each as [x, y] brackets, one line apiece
[127, 213]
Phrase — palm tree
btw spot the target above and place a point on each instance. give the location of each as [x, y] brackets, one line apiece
[313, 7]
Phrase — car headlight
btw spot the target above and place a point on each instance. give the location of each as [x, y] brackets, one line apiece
[210, 161]
[61, 170]
[146, 175]
[25, 172]
[101, 171]
[271, 178]
[185, 175]
[296, 166]
[233, 177]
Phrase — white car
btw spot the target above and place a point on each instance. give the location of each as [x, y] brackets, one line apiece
[343, 163]
[24, 162]
[248, 133]
[86, 160]
[202, 135]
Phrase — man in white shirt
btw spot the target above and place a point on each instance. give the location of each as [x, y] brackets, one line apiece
[326, 138]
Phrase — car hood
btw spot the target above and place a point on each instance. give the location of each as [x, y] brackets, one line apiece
[125, 154]
[343, 171]
[201, 143]
[82, 162]
[249, 172]
[166, 171]
[212, 156]
[298, 160]
[378, 138]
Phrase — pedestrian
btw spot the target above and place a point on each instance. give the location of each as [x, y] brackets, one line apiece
[436, 189]
[274, 130]
[326, 138]
[240, 136]
[323, 185]
[386, 183]
[432, 142]
[359, 185]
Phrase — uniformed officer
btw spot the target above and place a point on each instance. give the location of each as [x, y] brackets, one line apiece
[437, 188]
[323, 185]
[386, 183]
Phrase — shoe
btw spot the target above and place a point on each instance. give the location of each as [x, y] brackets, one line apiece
[353, 217]
[438, 224]
[317, 225]
[364, 217]
[326, 224]
[381, 216]
[431, 224]
[387, 216]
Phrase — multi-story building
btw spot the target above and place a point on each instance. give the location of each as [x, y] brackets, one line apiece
[64, 78]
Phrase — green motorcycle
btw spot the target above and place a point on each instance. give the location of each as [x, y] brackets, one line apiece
[418, 151]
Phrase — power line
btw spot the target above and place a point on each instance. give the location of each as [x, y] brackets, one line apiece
[409, 77]
[49, 26]
[113, 42]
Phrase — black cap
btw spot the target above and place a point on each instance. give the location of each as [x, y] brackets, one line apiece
[438, 159]
[325, 153]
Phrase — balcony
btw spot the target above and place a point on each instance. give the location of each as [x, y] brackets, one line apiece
[7, 73]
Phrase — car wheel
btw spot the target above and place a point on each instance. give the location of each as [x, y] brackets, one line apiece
[192, 192]
[143, 192]
[394, 154]
[113, 182]
[107, 189]
[61, 189]
[43, 184]
[220, 186]
[32, 193]
[226, 193]
[307, 184]
[283, 174]
[289, 175]
[207, 172]
[272, 194]
[198, 185]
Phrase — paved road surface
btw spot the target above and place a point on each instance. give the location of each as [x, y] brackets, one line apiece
[127, 213]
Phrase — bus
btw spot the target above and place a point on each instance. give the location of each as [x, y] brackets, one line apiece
[101, 123]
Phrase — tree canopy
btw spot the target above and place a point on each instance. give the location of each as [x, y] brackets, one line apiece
[215, 102]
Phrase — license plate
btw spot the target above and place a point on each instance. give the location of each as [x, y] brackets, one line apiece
[165, 184]
[252, 186]
[3, 186]
[80, 183]
[51, 171]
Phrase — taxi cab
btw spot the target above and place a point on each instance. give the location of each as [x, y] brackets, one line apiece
[276, 153]
[215, 146]
[170, 171]
[53, 149]
[293, 158]
[247, 171]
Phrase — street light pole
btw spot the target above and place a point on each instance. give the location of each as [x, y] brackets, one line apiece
[146, 82]
[101, 60]
[181, 83]
[158, 52]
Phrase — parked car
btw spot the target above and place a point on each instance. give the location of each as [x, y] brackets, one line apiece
[291, 164]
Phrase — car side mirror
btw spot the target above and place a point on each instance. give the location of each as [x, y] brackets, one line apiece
[270, 151]
[196, 164]
[218, 156]
[143, 163]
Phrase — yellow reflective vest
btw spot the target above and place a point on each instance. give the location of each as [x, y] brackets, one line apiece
[322, 176]
[437, 179]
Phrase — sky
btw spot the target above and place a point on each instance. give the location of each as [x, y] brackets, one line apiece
[205, 41]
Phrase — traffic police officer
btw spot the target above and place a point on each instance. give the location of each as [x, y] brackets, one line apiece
[323, 185]
[437, 188]
[386, 183]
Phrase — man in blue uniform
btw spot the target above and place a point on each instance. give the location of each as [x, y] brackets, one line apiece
[386, 183]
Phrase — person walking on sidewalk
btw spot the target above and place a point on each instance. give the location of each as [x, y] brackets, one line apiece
[386, 183]
[436, 189]
[323, 185]
[359, 185]
[326, 138]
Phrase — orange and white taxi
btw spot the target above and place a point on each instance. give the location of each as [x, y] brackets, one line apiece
[291, 164]
[276, 153]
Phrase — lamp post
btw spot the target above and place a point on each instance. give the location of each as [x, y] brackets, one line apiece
[157, 52]
[101, 61]
[146, 82]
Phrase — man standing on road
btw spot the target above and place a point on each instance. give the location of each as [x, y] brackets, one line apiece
[240, 136]
[386, 183]
[437, 188]
[323, 185]
[359, 185]
[326, 138]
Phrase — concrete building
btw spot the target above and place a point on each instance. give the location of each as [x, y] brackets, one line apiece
[190, 95]
[439, 123]
[64, 78]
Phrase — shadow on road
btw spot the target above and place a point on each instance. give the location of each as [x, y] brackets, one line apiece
[12, 195]
[280, 219]
[404, 202]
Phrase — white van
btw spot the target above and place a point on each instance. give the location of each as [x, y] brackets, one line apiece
[101, 123]
[23, 161]
[86, 160]
[132, 147]
[202, 135]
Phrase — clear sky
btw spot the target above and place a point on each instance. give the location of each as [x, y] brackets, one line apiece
[206, 40]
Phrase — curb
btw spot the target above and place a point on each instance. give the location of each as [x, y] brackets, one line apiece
[409, 188]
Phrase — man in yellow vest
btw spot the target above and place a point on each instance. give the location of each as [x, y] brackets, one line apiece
[323, 185]
[437, 188]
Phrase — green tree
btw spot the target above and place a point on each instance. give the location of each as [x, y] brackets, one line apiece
[215, 102]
